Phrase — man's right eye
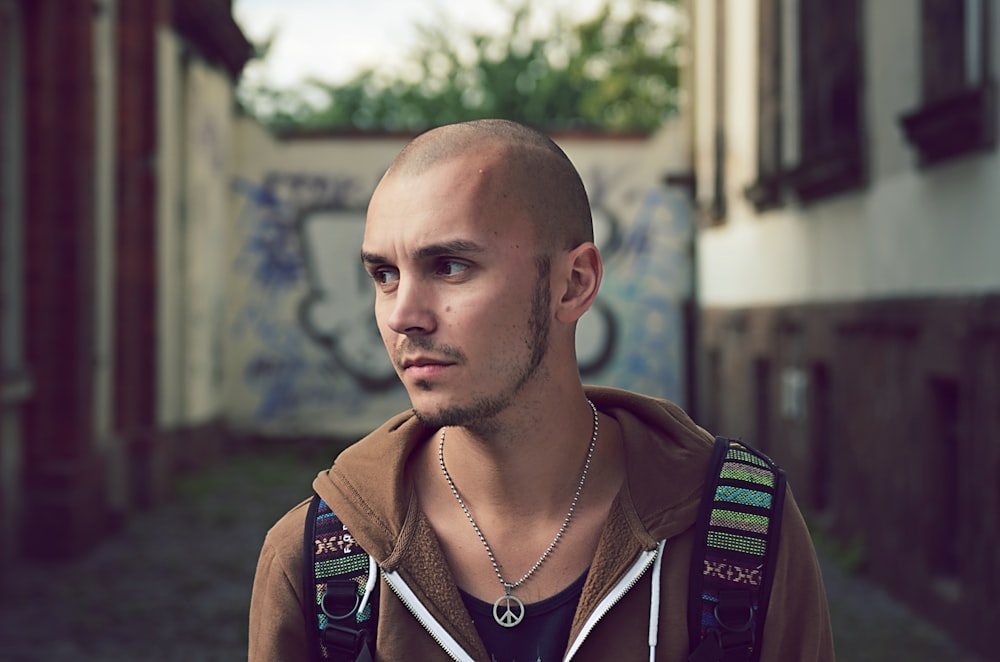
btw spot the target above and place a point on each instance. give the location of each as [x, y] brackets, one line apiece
[385, 276]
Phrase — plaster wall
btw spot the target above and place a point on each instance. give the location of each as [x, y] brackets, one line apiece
[194, 206]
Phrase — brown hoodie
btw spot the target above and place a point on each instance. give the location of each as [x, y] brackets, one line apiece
[667, 455]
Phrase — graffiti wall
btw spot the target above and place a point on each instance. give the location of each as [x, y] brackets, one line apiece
[303, 351]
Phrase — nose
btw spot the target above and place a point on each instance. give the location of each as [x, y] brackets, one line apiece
[409, 309]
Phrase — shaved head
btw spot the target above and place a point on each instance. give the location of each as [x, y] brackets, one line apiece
[533, 175]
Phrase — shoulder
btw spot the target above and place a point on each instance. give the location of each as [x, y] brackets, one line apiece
[798, 619]
[283, 542]
[277, 629]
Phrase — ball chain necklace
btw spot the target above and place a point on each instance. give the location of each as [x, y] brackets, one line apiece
[508, 610]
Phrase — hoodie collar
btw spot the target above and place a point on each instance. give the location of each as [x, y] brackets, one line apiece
[666, 457]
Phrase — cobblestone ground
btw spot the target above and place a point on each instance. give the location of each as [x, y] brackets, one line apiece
[175, 584]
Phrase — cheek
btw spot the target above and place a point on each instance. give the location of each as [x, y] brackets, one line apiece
[381, 315]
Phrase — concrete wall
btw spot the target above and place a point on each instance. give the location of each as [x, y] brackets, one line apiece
[303, 355]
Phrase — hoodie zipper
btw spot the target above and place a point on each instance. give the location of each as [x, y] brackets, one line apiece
[618, 591]
[455, 651]
[424, 617]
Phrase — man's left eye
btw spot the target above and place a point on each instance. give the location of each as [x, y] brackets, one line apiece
[452, 267]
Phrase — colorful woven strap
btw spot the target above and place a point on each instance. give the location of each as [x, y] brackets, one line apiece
[737, 530]
[337, 556]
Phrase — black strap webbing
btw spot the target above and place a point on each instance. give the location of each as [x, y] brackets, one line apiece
[309, 609]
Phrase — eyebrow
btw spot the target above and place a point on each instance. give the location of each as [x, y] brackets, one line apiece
[372, 258]
[457, 247]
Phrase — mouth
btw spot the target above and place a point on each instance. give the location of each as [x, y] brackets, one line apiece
[424, 362]
[424, 367]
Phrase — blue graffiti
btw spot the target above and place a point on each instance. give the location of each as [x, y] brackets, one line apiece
[272, 257]
[647, 280]
[272, 252]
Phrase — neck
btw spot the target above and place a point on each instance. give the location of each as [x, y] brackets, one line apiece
[530, 466]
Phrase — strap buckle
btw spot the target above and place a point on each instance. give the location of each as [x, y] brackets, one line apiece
[344, 639]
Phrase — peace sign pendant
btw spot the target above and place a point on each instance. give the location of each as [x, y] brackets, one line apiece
[508, 610]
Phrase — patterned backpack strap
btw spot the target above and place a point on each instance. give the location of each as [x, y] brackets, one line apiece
[336, 572]
[735, 549]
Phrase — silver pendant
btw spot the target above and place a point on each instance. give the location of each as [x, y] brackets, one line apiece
[508, 611]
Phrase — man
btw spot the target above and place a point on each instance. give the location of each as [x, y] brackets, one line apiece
[512, 500]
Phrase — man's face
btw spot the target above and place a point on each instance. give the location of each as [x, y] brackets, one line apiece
[462, 298]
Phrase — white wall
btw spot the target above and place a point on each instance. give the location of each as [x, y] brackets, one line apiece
[194, 210]
[208, 175]
[910, 232]
[169, 235]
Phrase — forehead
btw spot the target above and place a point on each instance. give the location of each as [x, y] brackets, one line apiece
[463, 198]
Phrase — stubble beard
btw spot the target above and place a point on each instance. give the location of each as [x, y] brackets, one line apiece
[480, 415]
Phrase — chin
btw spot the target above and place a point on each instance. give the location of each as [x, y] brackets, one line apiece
[476, 414]
[434, 411]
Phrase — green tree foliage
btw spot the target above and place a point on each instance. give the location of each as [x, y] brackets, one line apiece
[617, 71]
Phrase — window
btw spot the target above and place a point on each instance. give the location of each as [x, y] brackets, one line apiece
[762, 403]
[765, 192]
[831, 128]
[942, 479]
[716, 212]
[713, 397]
[820, 436]
[958, 115]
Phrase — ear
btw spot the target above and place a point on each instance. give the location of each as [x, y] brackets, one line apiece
[579, 280]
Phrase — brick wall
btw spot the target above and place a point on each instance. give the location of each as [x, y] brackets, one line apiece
[62, 473]
[135, 291]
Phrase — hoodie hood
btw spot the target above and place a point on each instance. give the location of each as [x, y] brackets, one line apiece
[659, 439]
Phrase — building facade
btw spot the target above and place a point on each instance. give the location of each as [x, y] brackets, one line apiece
[848, 187]
[114, 157]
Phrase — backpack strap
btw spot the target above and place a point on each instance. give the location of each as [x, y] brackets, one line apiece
[734, 554]
[336, 572]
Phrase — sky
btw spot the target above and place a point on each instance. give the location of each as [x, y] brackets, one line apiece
[333, 39]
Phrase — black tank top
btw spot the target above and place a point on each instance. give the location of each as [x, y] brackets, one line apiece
[541, 637]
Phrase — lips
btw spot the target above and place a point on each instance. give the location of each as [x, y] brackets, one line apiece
[425, 368]
[423, 362]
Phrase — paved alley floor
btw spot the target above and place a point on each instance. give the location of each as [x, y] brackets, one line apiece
[175, 584]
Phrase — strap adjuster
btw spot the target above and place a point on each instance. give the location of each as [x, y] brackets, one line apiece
[341, 600]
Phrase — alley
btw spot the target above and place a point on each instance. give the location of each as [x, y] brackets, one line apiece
[174, 585]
